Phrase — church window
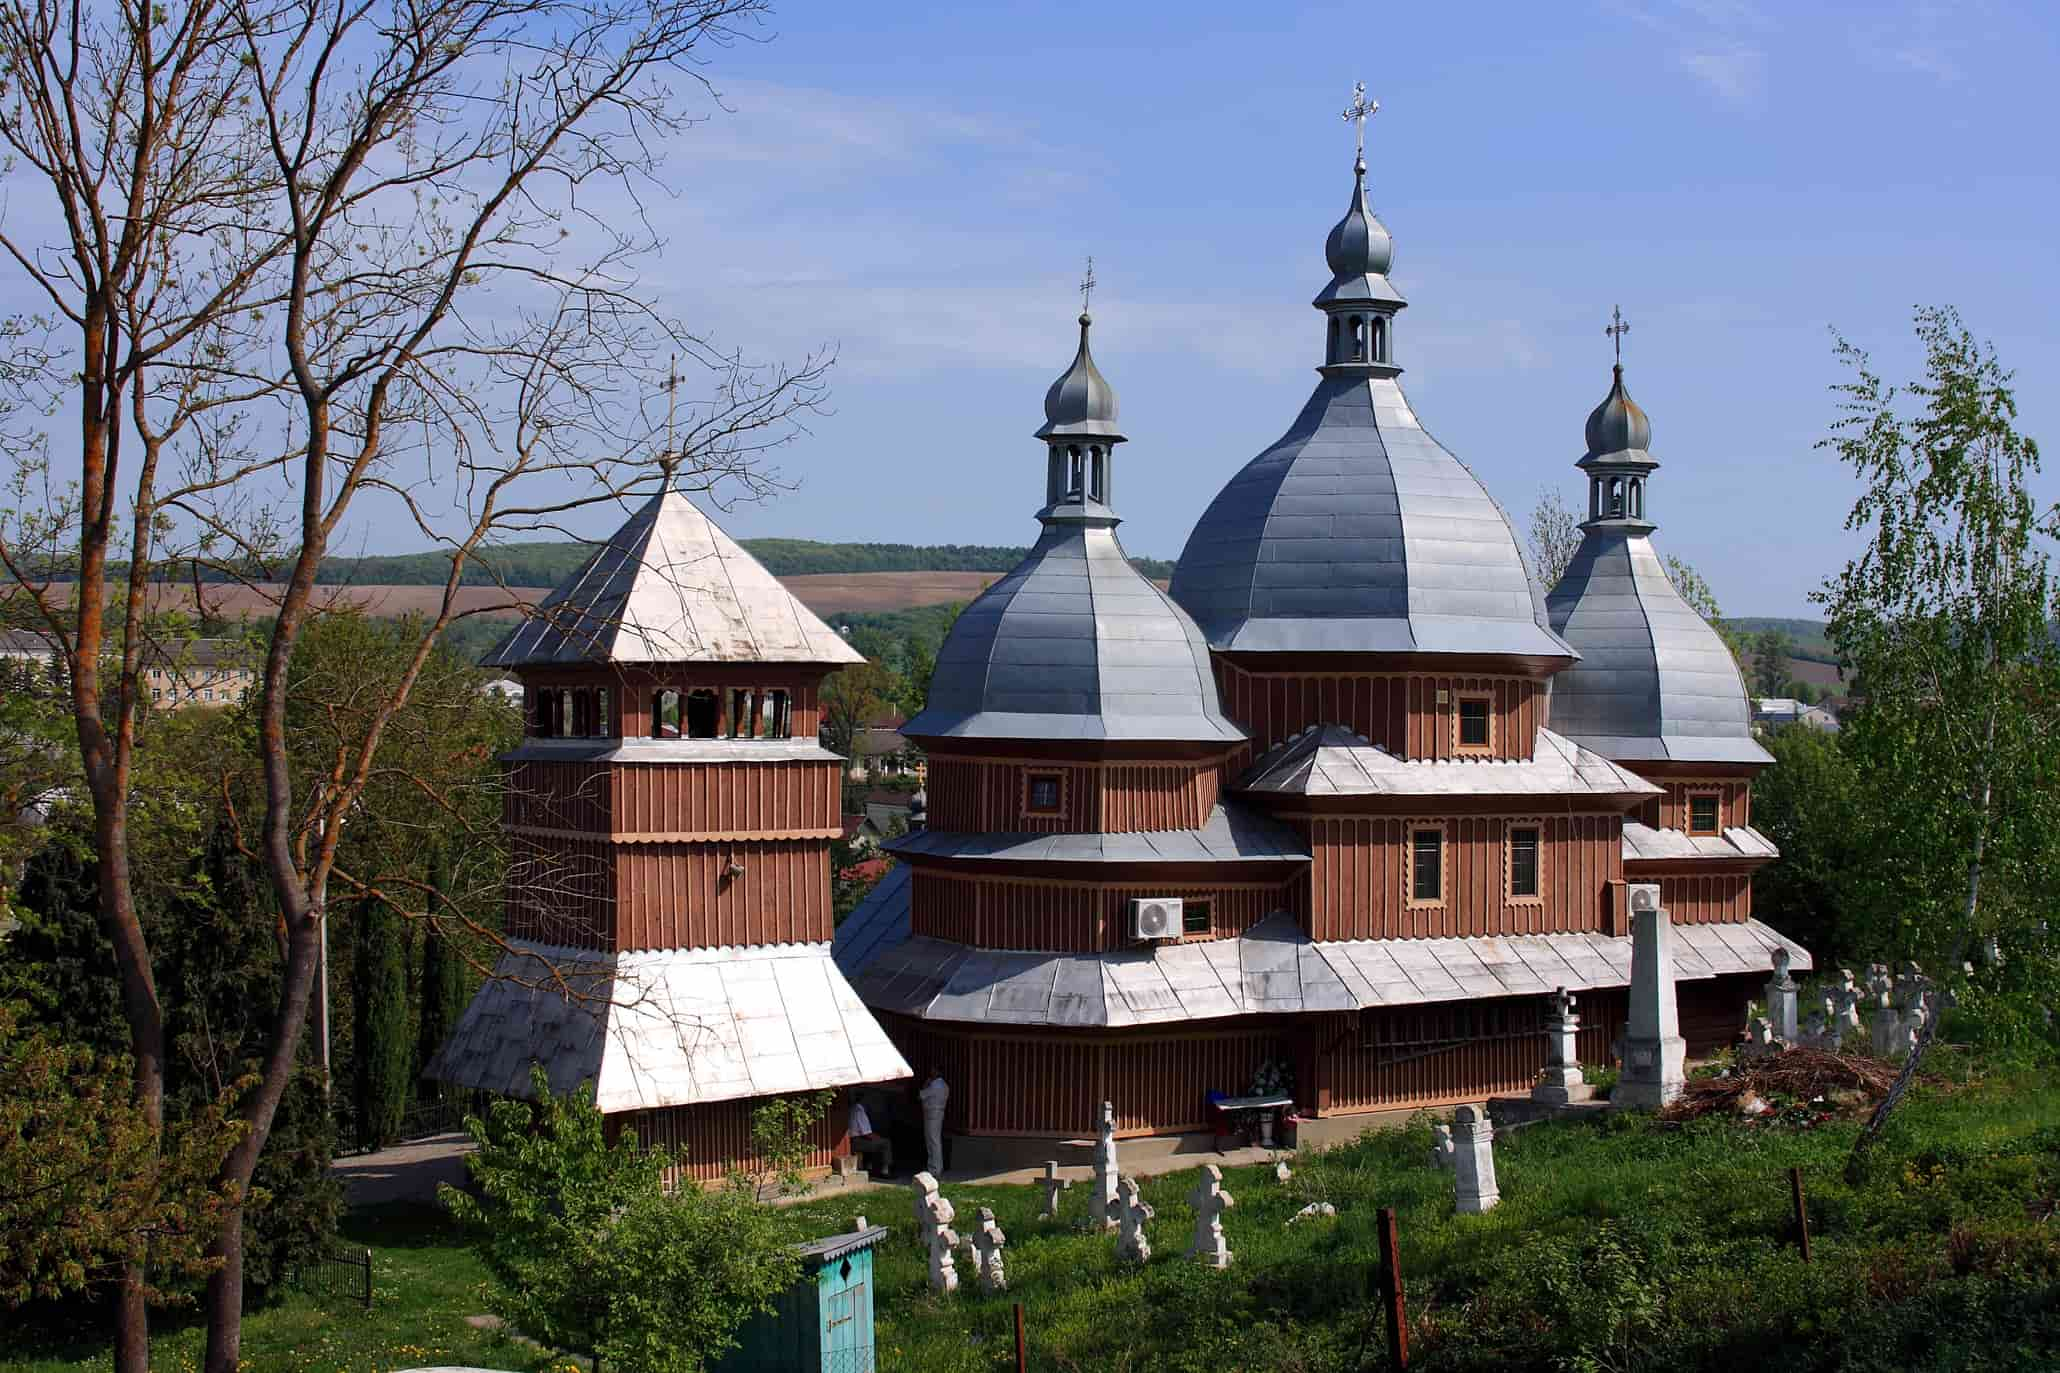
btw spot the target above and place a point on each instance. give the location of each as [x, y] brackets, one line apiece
[1426, 867]
[665, 714]
[1523, 862]
[1094, 473]
[1474, 735]
[1702, 813]
[1330, 352]
[1637, 499]
[704, 714]
[1044, 793]
[1196, 918]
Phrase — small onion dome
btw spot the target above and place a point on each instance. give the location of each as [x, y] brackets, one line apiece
[1360, 253]
[1081, 402]
[1618, 425]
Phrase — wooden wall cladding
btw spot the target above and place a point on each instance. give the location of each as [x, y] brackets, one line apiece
[561, 891]
[986, 795]
[1705, 898]
[730, 799]
[1052, 1085]
[559, 796]
[1399, 711]
[1401, 1058]
[709, 1138]
[1359, 873]
[1712, 1009]
[684, 896]
[1734, 803]
[1057, 916]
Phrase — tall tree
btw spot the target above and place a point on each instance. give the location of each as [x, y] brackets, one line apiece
[1944, 622]
[1555, 534]
[383, 1042]
[305, 253]
[852, 698]
[1771, 650]
[440, 1000]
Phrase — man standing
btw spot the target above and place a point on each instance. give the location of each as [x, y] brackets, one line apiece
[933, 1096]
[866, 1143]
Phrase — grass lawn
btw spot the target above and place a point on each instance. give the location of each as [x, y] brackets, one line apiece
[1624, 1245]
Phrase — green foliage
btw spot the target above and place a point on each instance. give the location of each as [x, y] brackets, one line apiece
[781, 1131]
[1815, 805]
[1771, 650]
[592, 1254]
[440, 1000]
[382, 1054]
[853, 696]
[86, 1183]
[1555, 534]
[1944, 620]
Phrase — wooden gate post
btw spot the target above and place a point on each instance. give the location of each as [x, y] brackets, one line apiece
[1391, 1283]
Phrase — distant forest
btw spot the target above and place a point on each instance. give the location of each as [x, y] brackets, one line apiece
[547, 564]
[1808, 638]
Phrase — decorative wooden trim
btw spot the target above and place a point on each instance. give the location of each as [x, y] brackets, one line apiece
[1689, 793]
[1536, 824]
[673, 836]
[1410, 829]
[1062, 778]
[1485, 749]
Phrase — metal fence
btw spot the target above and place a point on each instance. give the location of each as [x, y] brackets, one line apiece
[339, 1273]
[422, 1120]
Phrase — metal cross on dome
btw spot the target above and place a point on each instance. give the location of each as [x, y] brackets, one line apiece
[1617, 328]
[1362, 109]
[1087, 284]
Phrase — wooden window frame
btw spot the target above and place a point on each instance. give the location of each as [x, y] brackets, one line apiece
[1059, 777]
[1689, 796]
[1187, 908]
[1459, 703]
[1410, 899]
[1509, 891]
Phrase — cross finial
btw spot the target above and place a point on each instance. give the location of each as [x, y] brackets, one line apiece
[671, 456]
[1361, 110]
[1087, 284]
[1617, 328]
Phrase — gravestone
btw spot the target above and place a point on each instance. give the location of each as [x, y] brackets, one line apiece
[1655, 1054]
[1129, 1213]
[1781, 997]
[1559, 1081]
[1759, 1040]
[1105, 1173]
[1441, 1145]
[1053, 1184]
[1884, 1022]
[934, 1215]
[1474, 1162]
[983, 1252]
[1210, 1201]
[1845, 1004]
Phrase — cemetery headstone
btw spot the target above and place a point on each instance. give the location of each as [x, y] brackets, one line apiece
[1560, 1081]
[983, 1251]
[1781, 997]
[1475, 1161]
[1105, 1170]
[1210, 1201]
[1130, 1213]
[1053, 1184]
[1655, 1054]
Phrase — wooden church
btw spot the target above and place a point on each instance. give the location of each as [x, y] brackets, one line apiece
[1354, 797]
[670, 814]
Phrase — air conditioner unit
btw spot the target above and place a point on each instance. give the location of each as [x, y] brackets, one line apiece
[1645, 896]
[1155, 917]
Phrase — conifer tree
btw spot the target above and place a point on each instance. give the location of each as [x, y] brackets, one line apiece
[442, 996]
[383, 1053]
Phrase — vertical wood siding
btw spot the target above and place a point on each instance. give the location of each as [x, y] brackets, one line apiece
[725, 798]
[985, 796]
[559, 796]
[560, 891]
[1397, 710]
[1734, 803]
[680, 896]
[1359, 873]
[1706, 898]
[1051, 916]
[1381, 1062]
[709, 1138]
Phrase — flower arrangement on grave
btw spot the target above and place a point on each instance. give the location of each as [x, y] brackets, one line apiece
[1274, 1078]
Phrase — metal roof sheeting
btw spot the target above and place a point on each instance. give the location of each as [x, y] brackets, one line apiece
[1644, 843]
[667, 1028]
[671, 587]
[1074, 643]
[1272, 969]
[1330, 760]
[1655, 682]
[1358, 532]
[1232, 835]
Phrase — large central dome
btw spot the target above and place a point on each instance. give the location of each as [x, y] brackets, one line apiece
[1356, 531]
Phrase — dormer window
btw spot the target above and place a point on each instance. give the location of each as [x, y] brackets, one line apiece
[1703, 812]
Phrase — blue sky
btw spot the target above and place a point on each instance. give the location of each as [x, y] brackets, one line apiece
[918, 185]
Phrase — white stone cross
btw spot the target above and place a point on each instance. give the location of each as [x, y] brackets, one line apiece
[983, 1251]
[1053, 1184]
[1560, 1080]
[1210, 1201]
[1129, 1211]
[1105, 1171]
[1442, 1147]
[934, 1215]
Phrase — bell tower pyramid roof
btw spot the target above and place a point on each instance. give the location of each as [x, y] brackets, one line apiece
[670, 586]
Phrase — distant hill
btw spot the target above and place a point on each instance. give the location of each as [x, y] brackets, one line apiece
[1809, 636]
[547, 564]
